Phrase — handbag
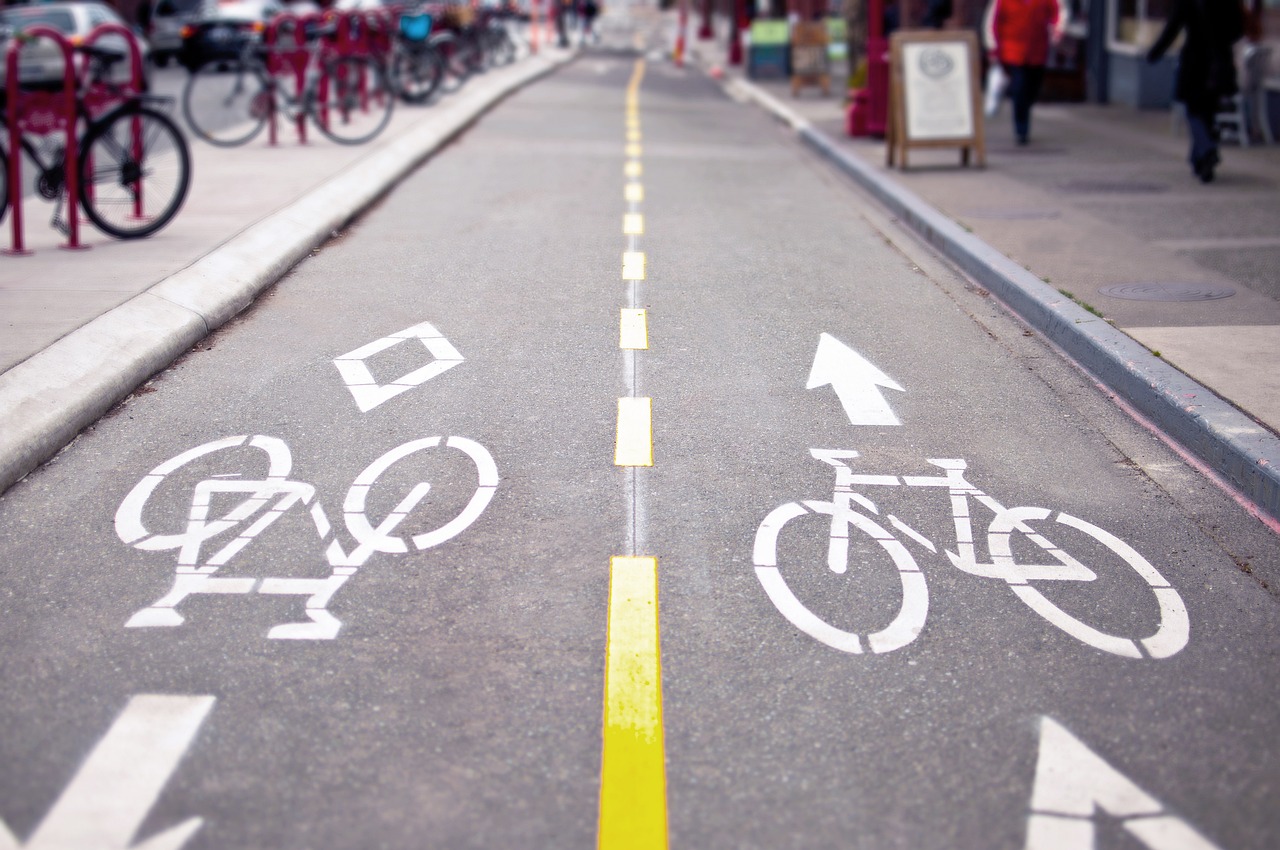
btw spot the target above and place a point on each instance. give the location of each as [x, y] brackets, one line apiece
[997, 85]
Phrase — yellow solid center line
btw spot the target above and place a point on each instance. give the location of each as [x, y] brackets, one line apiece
[633, 329]
[634, 443]
[633, 788]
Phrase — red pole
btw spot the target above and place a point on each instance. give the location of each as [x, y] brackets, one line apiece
[736, 27]
[534, 6]
[705, 31]
[681, 27]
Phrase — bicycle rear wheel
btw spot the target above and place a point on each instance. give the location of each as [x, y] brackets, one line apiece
[225, 108]
[353, 102]
[416, 73]
[135, 170]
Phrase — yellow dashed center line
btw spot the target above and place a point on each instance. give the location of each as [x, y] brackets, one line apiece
[633, 779]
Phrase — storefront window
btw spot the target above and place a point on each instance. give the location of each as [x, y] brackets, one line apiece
[1137, 23]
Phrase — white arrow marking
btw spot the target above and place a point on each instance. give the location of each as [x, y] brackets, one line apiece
[1072, 783]
[118, 784]
[856, 381]
[368, 393]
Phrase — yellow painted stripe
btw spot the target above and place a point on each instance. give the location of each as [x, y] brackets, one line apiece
[633, 151]
[634, 444]
[633, 329]
[632, 224]
[633, 782]
[633, 135]
[633, 168]
[634, 192]
[633, 265]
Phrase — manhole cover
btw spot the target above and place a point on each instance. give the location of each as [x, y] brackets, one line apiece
[1112, 187]
[1168, 291]
[1013, 214]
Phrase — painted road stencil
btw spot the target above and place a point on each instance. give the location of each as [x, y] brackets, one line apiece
[110, 795]
[856, 381]
[257, 503]
[368, 393]
[853, 512]
[1073, 784]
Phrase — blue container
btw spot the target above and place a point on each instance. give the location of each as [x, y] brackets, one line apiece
[769, 62]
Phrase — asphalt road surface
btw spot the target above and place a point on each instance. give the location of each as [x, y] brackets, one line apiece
[233, 616]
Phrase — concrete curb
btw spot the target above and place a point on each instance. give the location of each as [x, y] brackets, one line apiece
[1245, 453]
[46, 400]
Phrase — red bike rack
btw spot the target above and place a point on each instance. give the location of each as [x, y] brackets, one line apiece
[40, 113]
[100, 97]
[281, 59]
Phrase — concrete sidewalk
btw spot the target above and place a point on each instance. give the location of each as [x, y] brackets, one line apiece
[82, 329]
[1100, 218]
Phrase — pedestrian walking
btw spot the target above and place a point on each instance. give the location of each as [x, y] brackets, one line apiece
[588, 10]
[1018, 34]
[1206, 69]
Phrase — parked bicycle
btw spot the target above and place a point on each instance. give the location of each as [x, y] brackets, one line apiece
[417, 64]
[851, 512]
[133, 164]
[347, 98]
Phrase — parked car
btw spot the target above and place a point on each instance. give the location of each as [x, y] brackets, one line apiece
[164, 31]
[40, 63]
[223, 29]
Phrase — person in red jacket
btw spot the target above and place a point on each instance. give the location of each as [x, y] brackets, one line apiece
[1018, 34]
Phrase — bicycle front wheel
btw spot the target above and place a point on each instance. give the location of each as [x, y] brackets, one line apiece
[225, 108]
[135, 170]
[353, 102]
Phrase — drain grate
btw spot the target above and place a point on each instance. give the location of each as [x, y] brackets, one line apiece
[1013, 214]
[1111, 187]
[1168, 291]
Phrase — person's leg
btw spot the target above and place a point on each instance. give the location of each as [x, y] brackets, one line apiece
[1204, 145]
[1018, 93]
[1033, 76]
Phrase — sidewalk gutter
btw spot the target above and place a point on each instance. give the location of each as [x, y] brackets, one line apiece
[46, 400]
[1243, 452]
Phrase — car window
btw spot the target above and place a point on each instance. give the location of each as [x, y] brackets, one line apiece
[20, 19]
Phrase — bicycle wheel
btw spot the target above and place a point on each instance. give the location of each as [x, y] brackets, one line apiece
[225, 108]
[1170, 636]
[135, 170]
[353, 103]
[914, 610]
[416, 74]
[456, 70]
[500, 47]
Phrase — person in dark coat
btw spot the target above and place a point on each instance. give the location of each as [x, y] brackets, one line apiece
[1206, 69]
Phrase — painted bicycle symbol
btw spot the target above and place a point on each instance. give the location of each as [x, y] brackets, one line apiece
[851, 512]
[265, 500]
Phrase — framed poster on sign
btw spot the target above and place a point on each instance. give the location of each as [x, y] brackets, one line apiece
[935, 98]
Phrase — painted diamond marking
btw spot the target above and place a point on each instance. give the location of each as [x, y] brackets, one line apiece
[368, 393]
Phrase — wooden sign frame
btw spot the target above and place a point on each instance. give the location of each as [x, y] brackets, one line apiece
[810, 64]
[943, 86]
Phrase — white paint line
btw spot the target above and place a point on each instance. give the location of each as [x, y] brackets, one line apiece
[117, 785]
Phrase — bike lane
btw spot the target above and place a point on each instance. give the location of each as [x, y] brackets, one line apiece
[459, 704]
[783, 323]
[446, 695]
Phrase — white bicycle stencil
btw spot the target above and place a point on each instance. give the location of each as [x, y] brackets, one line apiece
[850, 511]
[265, 501]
